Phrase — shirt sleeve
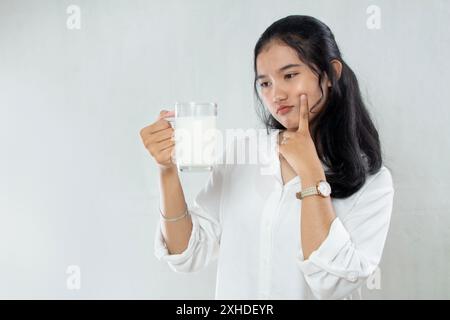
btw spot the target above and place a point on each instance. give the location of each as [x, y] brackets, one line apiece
[203, 246]
[353, 248]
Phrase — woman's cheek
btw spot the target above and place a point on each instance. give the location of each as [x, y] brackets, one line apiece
[266, 102]
[312, 93]
[303, 88]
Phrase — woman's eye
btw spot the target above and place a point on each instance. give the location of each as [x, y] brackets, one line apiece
[263, 84]
[290, 75]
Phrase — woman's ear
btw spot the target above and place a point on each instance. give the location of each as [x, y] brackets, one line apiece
[337, 66]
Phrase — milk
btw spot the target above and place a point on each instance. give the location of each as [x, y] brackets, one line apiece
[195, 142]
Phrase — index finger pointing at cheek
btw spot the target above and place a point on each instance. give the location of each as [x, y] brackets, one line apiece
[303, 118]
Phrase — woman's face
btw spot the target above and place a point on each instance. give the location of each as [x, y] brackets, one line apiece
[282, 78]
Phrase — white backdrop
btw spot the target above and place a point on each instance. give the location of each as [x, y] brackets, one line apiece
[78, 191]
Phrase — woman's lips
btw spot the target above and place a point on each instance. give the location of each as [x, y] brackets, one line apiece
[284, 110]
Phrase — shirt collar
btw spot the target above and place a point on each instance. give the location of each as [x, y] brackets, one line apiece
[272, 166]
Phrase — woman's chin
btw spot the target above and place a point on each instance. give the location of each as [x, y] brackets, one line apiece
[292, 129]
[289, 125]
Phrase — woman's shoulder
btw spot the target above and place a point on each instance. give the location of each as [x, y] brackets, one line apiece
[377, 190]
[381, 178]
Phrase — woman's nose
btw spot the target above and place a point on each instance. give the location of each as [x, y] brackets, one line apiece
[278, 94]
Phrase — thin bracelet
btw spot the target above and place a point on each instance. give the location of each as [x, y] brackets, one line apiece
[174, 219]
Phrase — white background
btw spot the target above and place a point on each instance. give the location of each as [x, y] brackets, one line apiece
[78, 188]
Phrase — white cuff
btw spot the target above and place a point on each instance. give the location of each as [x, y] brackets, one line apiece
[161, 251]
[322, 259]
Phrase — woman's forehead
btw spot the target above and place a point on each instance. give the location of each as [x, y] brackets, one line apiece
[274, 56]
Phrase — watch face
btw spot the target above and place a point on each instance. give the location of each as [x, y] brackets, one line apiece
[324, 188]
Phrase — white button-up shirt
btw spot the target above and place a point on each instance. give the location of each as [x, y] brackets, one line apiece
[250, 221]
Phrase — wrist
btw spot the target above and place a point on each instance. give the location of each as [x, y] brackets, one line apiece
[311, 178]
[168, 171]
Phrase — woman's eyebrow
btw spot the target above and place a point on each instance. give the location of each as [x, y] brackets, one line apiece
[291, 65]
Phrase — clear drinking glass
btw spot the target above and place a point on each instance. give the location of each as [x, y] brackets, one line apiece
[195, 135]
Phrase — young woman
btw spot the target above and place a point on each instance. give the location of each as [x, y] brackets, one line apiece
[316, 227]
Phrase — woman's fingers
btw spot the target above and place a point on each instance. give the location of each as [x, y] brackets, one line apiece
[165, 144]
[159, 125]
[166, 113]
[162, 135]
[166, 156]
[303, 116]
[158, 139]
[155, 147]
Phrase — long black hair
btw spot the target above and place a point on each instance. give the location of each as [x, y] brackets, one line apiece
[345, 137]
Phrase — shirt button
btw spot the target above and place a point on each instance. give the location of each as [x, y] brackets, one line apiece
[352, 276]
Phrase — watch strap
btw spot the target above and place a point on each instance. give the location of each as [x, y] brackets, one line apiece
[311, 191]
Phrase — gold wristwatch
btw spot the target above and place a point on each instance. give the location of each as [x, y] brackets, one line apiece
[322, 188]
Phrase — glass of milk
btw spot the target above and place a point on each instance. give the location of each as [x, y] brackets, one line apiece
[195, 135]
